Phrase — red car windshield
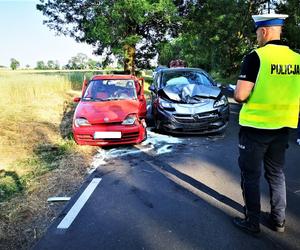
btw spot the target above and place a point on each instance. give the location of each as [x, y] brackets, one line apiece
[106, 90]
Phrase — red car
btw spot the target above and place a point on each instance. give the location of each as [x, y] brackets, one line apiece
[111, 111]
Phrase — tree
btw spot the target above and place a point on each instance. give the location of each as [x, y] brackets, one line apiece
[14, 64]
[124, 28]
[92, 64]
[216, 34]
[50, 64]
[56, 65]
[40, 65]
[292, 23]
[80, 61]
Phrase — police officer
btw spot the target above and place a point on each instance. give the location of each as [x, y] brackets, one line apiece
[298, 132]
[269, 88]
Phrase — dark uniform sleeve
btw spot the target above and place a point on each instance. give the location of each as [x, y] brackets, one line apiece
[250, 67]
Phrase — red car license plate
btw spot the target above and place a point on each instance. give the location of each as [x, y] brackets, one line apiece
[107, 135]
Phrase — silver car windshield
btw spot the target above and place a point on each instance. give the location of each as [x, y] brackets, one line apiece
[184, 78]
[106, 90]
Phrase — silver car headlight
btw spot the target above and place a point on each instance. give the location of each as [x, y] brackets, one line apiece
[81, 122]
[165, 104]
[222, 102]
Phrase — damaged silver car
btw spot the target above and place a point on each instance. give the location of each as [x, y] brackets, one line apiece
[187, 100]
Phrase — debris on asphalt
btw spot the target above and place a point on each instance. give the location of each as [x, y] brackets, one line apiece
[155, 139]
[164, 149]
[157, 143]
[58, 199]
[148, 171]
[215, 137]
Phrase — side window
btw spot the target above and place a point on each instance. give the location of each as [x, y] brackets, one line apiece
[204, 80]
[156, 79]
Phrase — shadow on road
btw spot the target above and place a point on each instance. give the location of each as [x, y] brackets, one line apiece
[200, 186]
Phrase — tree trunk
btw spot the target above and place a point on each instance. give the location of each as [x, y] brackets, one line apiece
[129, 59]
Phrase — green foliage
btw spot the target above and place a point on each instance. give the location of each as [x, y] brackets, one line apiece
[14, 64]
[40, 65]
[92, 64]
[291, 29]
[81, 61]
[51, 65]
[112, 25]
[215, 36]
[211, 34]
[46, 158]
[9, 184]
[78, 62]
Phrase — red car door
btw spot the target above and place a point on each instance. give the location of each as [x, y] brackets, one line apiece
[141, 97]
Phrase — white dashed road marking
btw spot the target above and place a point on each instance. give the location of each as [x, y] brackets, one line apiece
[73, 212]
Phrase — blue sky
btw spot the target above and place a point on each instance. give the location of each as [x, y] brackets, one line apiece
[23, 36]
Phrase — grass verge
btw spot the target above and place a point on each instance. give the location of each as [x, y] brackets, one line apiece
[38, 157]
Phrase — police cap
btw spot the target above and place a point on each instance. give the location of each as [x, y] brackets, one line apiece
[266, 20]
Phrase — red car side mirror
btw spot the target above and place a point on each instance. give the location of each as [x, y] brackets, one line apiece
[141, 86]
[84, 85]
[76, 99]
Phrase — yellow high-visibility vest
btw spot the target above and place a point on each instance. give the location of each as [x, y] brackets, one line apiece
[274, 101]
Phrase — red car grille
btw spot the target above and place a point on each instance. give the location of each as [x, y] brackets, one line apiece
[84, 137]
[107, 123]
[125, 137]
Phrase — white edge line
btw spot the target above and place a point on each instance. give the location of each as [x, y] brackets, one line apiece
[73, 212]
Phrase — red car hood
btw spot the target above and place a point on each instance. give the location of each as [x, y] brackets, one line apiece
[106, 111]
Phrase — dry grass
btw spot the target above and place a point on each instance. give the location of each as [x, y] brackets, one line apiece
[24, 219]
[28, 101]
[37, 158]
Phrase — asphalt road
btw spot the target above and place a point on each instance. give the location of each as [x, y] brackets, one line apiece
[173, 193]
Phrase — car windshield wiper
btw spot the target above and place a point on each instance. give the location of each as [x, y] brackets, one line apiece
[112, 98]
[103, 99]
[88, 99]
[93, 99]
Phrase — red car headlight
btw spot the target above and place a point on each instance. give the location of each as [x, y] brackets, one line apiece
[130, 119]
[144, 123]
[80, 122]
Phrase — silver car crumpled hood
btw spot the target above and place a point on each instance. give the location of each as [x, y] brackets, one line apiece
[191, 93]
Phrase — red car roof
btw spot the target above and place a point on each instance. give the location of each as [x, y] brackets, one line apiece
[119, 77]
